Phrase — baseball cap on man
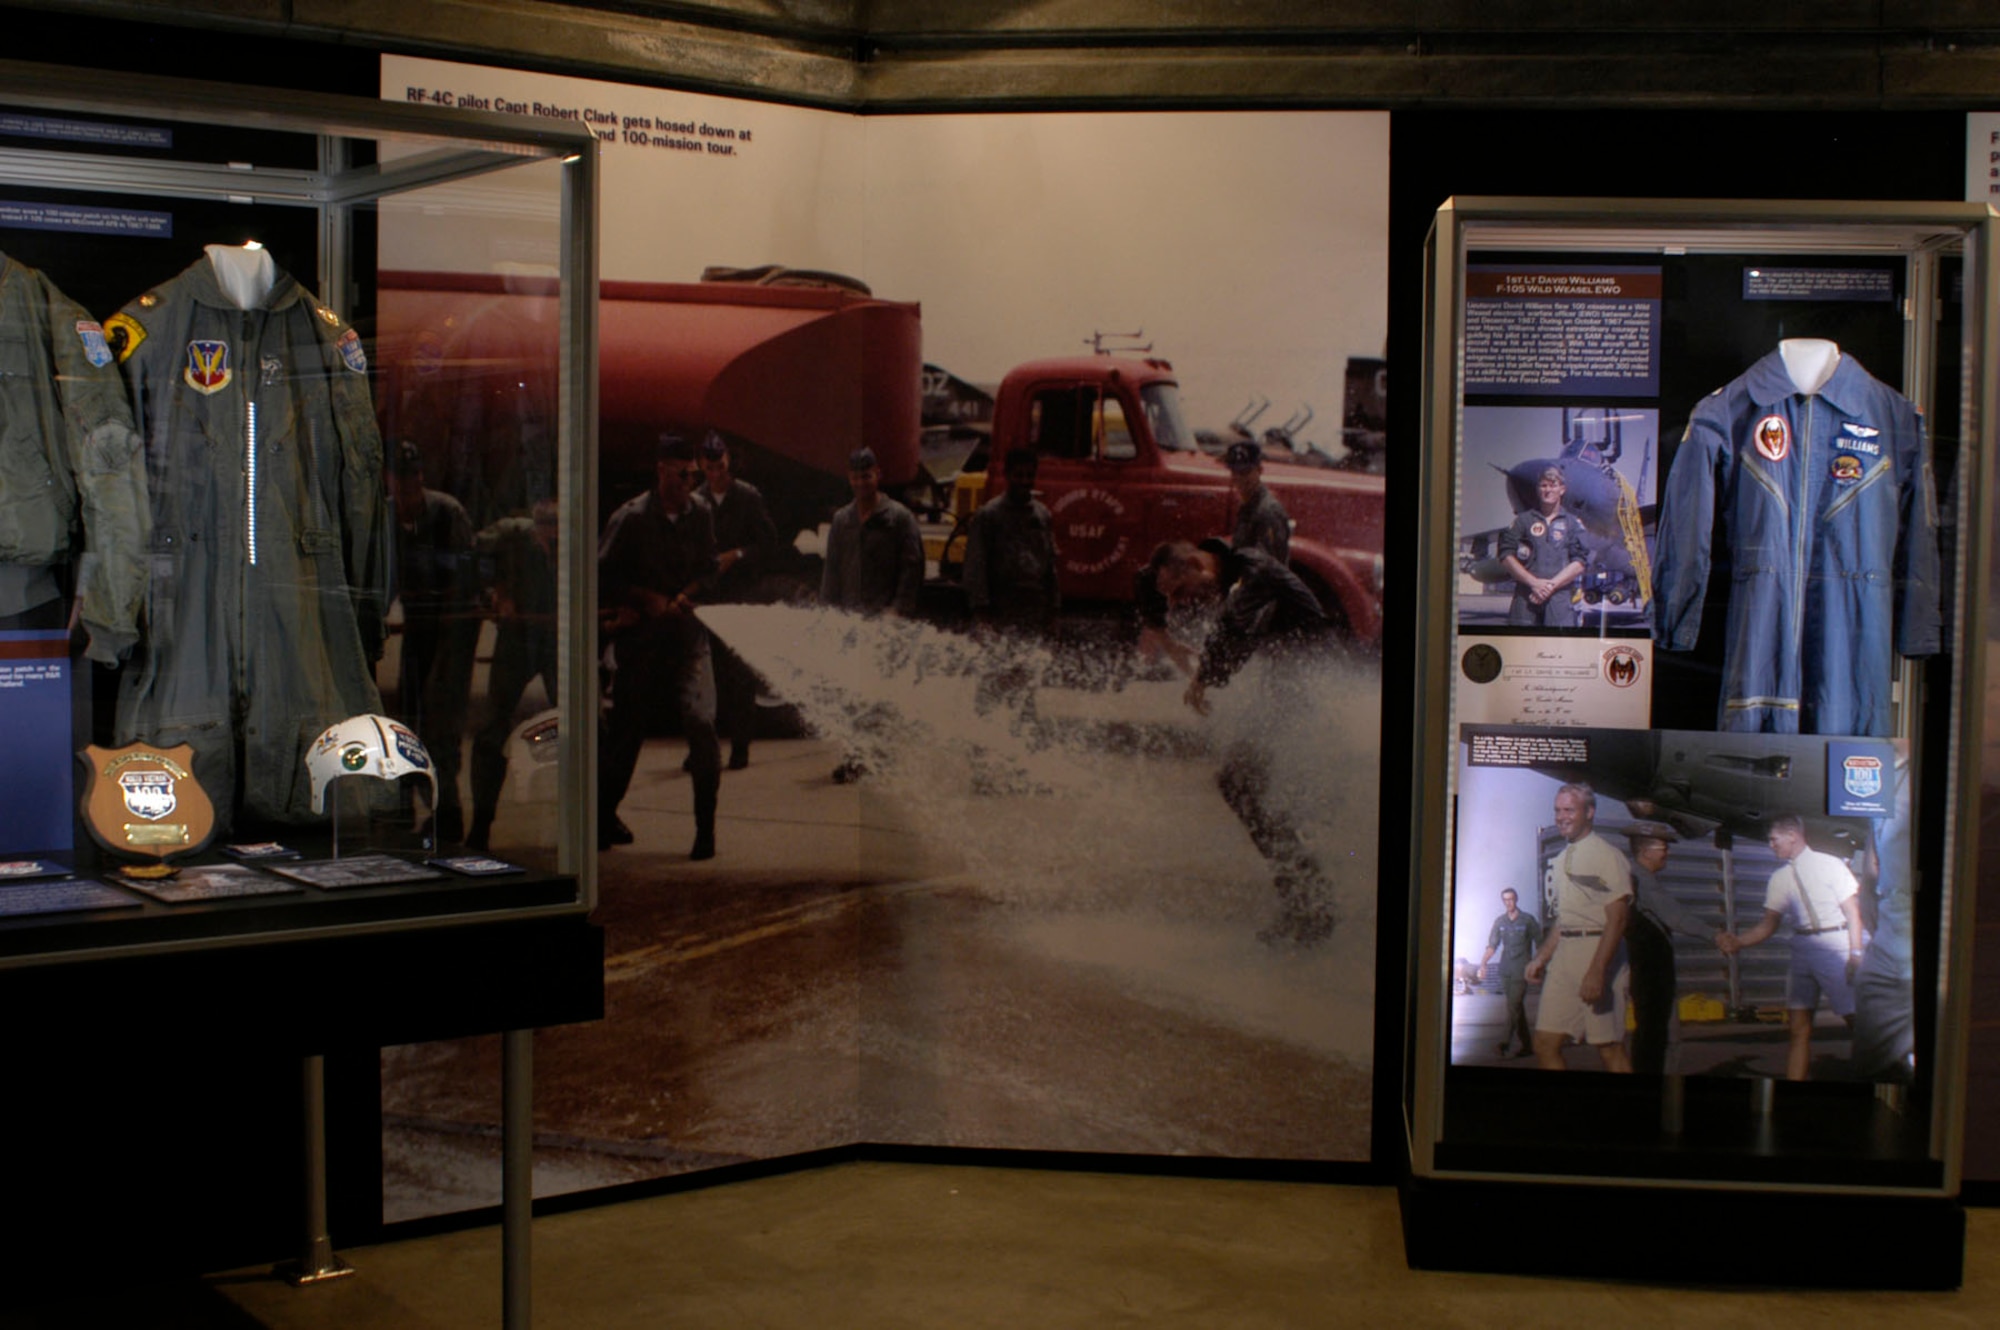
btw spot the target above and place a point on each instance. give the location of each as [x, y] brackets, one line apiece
[861, 459]
[714, 445]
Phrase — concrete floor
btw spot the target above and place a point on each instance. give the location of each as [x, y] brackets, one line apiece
[889, 1246]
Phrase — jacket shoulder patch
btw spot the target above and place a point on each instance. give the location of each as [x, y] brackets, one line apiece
[124, 333]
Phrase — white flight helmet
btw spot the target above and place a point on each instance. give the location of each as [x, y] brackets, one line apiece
[367, 746]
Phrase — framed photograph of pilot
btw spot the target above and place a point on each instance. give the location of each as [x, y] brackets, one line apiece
[1555, 516]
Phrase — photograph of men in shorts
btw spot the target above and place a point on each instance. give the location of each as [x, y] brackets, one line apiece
[1583, 998]
[1821, 896]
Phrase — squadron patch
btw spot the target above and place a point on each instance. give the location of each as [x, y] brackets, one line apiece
[351, 352]
[207, 369]
[95, 349]
[1538, 530]
[1621, 667]
[1846, 466]
[1774, 438]
[124, 333]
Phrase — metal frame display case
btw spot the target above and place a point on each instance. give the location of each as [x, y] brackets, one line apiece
[1682, 594]
[123, 181]
[110, 186]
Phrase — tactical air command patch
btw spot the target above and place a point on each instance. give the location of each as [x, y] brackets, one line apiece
[1846, 466]
[1774, 438]
[207, 367]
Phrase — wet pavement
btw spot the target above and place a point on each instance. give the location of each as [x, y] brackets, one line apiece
[928, 957]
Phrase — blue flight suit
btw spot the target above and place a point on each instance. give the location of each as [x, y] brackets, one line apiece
[1829, 525]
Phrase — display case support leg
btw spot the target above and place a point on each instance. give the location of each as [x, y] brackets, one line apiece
[517, 1166]
[317, 1263]
[1673, 1104]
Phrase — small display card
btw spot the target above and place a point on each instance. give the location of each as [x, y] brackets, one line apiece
[27, 870]
[212, 882]
[366, 870]
[62, 898]
[478, 865]
[261, 849]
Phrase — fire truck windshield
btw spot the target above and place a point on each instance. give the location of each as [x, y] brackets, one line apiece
[1163, 415]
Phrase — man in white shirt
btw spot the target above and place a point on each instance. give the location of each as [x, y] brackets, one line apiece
[1584, 998]
[1819, 893]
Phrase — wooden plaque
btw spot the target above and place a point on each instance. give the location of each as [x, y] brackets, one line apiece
[144, 802]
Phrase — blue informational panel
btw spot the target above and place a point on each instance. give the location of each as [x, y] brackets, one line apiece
[1860, 778]
[36, 761]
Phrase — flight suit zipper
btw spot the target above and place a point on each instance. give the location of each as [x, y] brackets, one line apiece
[1803, 516]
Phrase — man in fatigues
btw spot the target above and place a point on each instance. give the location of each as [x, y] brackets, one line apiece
[517, 557]
[1267, 611]
[1514, 937]
[1821, 896]
[1544, 554]
[874, 549]
[436, 584]
[1657, 914]
[1010, 584]
[874, 559]
[1261, 521]
[1010, 556]
[745, 540]
[656, 558]
[1584, 996]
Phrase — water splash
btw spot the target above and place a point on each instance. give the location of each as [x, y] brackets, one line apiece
[1060, 778]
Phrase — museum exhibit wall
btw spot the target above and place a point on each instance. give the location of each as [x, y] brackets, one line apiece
[1004, 1009]
[1014, 932]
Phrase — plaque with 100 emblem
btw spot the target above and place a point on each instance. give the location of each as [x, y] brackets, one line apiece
[145, 802]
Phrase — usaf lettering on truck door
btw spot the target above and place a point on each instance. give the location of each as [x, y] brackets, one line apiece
[1082, 444]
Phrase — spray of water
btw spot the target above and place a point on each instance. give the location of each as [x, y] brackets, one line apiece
[1061, 779]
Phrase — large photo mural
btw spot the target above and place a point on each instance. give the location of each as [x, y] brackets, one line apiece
[990, 562]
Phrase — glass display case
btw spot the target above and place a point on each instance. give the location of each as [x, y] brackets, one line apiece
[296, 508]
[1700, 677]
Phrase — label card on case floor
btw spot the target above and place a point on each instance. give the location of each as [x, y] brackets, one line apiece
[213, 882]
[366, 870]
[62, 898]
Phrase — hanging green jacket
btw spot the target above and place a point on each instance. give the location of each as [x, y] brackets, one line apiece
[269, 566]
[72, 484]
